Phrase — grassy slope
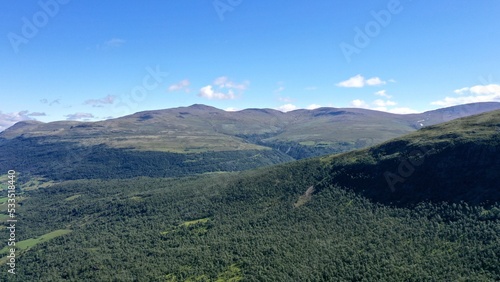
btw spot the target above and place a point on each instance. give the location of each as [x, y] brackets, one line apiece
[29, 243]
[25, 245]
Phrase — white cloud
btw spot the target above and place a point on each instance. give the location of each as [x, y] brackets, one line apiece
[383, 93]
[209, 93]
[359, 81]
[313, 106]
[45, 101]
[224, 82]
[231, 109]
[79, 116]
[462, 90]
[110, 99]
[485, 89]
[287, 108]
[474, 94]
[452, 101]
[358, 103]
[375, 81]
[181, 85]
[382, 103]
[356, 81]
[225, 89]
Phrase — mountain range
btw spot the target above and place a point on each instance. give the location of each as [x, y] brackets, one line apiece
[201, 128]
[424, 206]
[199, 138]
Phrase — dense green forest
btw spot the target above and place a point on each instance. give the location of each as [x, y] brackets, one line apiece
[69, 161]
[250, 226]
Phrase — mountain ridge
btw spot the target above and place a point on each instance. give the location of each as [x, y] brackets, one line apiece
[459, 110]
[198, 139]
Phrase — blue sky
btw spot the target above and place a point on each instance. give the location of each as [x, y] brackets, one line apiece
[93, 60]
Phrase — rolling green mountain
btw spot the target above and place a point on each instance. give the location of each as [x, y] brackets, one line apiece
[197, 139]
[421, 207]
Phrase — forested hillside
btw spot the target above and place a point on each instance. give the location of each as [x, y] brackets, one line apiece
[249, 226]
[69, 161]
[454, 161]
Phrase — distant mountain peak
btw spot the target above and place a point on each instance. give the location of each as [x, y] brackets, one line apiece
[202, 107]
[20, 127]
[26, 122]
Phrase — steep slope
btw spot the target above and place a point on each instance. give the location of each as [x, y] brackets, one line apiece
[454, 161]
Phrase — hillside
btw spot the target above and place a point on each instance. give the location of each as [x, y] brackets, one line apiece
[454, 161]
[197, 139]
[333, 218]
